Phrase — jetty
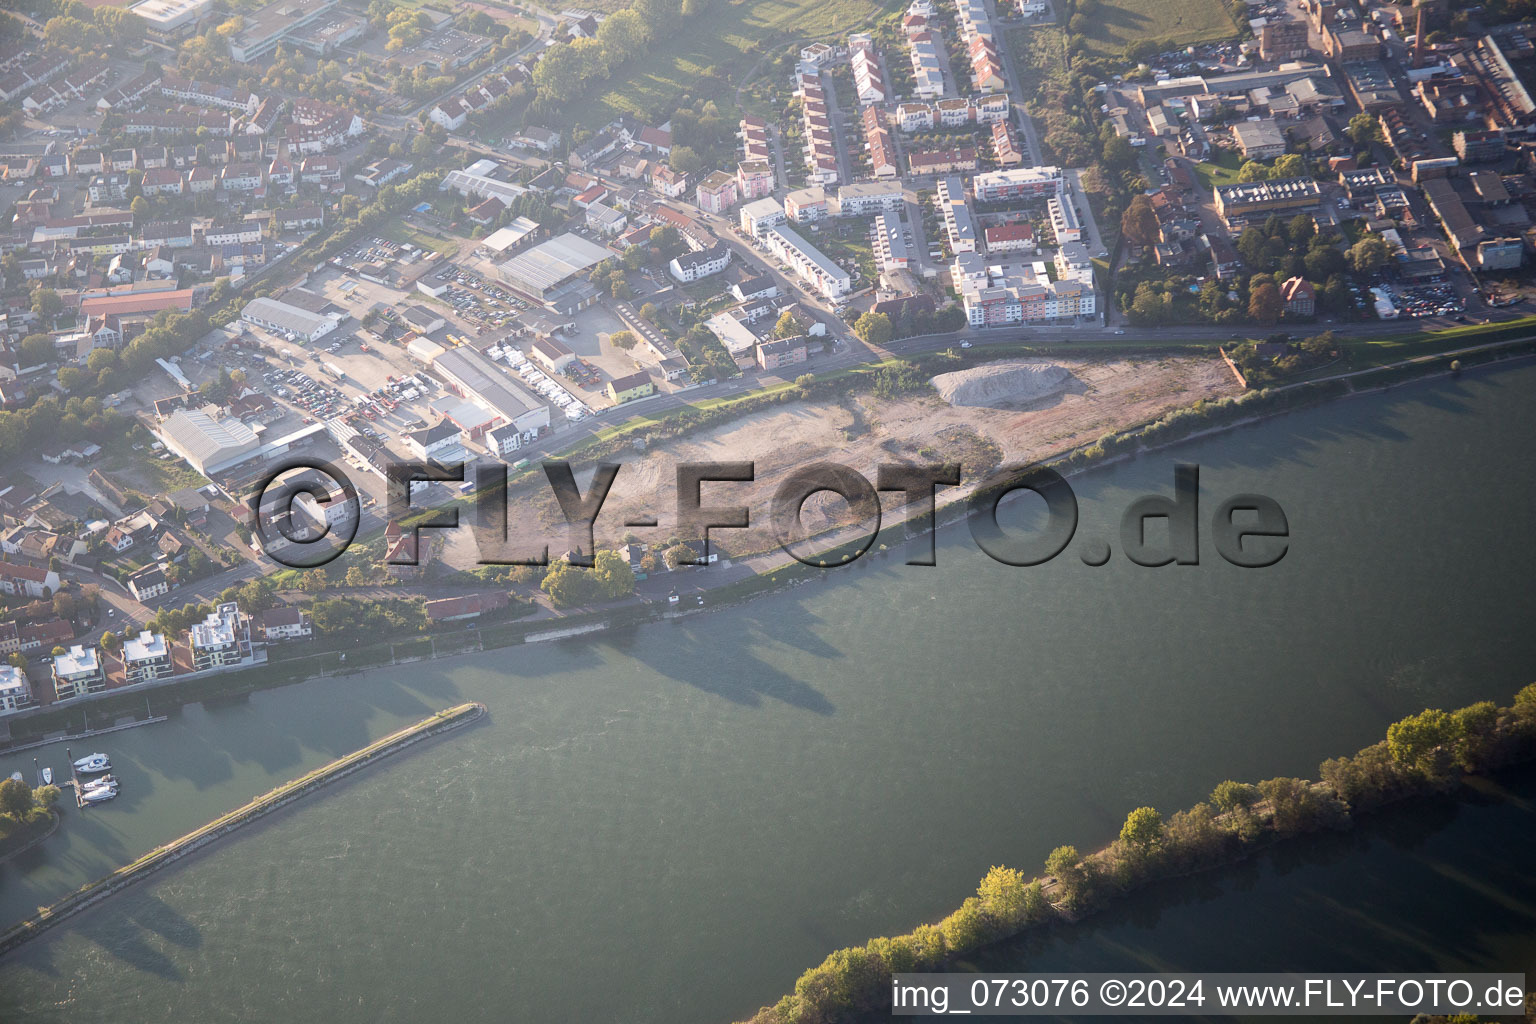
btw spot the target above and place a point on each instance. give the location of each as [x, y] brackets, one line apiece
[94, 892]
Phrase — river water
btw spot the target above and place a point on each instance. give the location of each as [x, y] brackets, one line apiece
[668, 824]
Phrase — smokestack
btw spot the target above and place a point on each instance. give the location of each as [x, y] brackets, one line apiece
[1418, 36]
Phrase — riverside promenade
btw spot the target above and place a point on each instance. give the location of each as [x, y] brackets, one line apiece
[94, 892]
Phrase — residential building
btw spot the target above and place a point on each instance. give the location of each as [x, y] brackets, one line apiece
[754, 179]
[635, 385]
[147, 583]
[772, 355]
[27, 581]
[691, 266]
[15, 688]
[1300, 297]
[716, 193]
[959, 227]
[806, 205]
[815, 268]
[1259, 140]
[77, 672]
[222, 639]
[146, 657]
[1018, 183]
[865, 198]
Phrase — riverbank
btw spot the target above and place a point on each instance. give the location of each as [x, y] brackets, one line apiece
[773, 570]
[1433, 752]
[94, 892]
[14, 845]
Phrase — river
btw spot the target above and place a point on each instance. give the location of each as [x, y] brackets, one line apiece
[669, 823]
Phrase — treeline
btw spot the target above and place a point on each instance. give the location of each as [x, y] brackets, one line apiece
[1425, 753]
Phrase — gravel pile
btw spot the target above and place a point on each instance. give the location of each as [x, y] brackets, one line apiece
[1001, 384]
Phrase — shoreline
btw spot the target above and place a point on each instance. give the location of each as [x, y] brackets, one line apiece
[788, 572]
[130, 874]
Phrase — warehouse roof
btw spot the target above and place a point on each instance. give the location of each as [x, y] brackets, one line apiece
[549, 263]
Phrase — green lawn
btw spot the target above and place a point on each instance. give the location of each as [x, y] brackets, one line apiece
[1222, 171]
[1115, 23]
[400, 231]
[731, 37]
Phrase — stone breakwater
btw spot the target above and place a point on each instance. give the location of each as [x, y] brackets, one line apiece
[94, 892]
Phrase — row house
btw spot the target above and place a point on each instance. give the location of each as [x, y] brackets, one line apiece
[122, 160]
[185, 121]
[207, 94]
[927, 72]
[1005, 148]
[877, 140]
[280, 172]
[266, 117]
[202, 180]
[754, 139]
[868, 82]
[227, 234]
[130, 94]
[942, 161]
[820, 144]
[297, 218]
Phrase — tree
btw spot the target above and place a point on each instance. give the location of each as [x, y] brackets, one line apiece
[679, 554]
[873, 328]
[17, 660]
[612, 575]
[1265, 303]
[622, 339]
[36, 349]
[568, 585]
[1142, 830]
[1252, 170]
[15, 798]
[1004, 895]
[1414, 741]
[1230, 796]
[139, 208]
[110, 641]
[46, 796]
[685, 160]
[1368, 254]
[1364, 129]
[787, 326]
[46, 303]
[1290, 165]
[1138, 222]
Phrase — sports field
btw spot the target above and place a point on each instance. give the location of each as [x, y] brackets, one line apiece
[731, 37]
[1115, 23]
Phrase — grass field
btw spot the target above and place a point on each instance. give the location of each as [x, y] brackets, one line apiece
[732, 36]
[1221, 171]
[400, 231]
[1119, 22]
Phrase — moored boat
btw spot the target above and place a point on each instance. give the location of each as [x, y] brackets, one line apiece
[93, 764]
[47, 776]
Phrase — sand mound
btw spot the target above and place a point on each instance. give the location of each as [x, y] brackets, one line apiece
[1001, 383]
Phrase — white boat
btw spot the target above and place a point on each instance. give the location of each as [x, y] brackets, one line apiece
[96, 796]
[47, 776]
[103, 782]
[17, 776]
[93, 764]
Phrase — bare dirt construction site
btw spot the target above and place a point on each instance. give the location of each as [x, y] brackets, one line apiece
[861, 431]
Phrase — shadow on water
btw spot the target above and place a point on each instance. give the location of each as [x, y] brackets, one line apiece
[1443, 883]
[749, 680]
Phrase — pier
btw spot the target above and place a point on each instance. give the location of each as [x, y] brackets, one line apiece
[94, 892]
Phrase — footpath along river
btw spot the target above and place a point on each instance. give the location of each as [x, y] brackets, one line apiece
[669, 823]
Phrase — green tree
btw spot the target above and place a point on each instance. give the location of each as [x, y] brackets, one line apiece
[1004, 895]
[1290, 165]
[110, 642]
[873, 328]
[679, 554]
[46, 303]
[1230, 796]
[1370, 253]
[613, 576]
[1364, 129]
[787, 326]
[623, 340]
[1065, 863]
[685, 160]
[36, 349]
[1143, 829]
[15, 798]
[46, 796]
[568, 585]
[1415, 741]
[1252, 170]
